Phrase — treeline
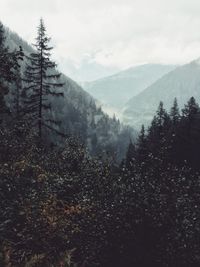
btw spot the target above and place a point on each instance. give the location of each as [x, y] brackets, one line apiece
[60, 207]
[172, 138]
[63, 208]
[162, 171]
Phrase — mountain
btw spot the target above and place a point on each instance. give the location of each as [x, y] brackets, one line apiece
[79, 115]
[114, 91]
[182, 83]
[87, 70]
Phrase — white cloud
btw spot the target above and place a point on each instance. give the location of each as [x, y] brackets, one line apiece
[117, 33]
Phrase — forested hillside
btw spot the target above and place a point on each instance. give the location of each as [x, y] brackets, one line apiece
[61, 206]
[182, 83]
[76, 110]
[117, 89]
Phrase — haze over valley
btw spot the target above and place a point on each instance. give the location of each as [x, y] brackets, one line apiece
[99, 133]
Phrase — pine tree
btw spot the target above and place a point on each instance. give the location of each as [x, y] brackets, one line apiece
[3, 50]
[159, 126]
[141, 138]
[191, 108]
[17, 95]
[162, 117]
[172, 137]
[174, 113]
[190, 118]
[130, 156]
[189, 133]
[157, 138]
[142, 147]
[41, 83]
[9, 63]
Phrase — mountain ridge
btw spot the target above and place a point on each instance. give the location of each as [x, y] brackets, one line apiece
[182, 83]
[116, 90]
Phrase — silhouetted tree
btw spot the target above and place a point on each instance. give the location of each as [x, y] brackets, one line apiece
[41, 84]
[190, 109]
[174, 113]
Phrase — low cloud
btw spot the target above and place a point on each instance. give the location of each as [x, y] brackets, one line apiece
[116, 33]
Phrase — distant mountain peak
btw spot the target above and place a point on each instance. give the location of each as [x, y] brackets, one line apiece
[115, 90]
[182, 83]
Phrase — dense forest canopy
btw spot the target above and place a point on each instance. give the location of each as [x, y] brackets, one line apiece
[68, 205]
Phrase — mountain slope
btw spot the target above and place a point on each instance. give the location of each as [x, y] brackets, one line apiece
[79, 115]
[116, 90]
[181, 83]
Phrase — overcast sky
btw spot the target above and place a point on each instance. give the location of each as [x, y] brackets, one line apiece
[112, 33]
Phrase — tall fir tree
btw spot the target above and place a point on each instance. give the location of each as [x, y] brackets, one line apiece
[157, 135]
[41, 83]
[162, 117]
[175, 113]
[172, 137]
[159, 126]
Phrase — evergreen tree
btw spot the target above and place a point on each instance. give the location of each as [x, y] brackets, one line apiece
[17, 95]
[162, 117]
[130, 156]
[142, 138]
[9, 63]
[175, 118]
[189, 134]
[3, 51]
[158, 130]
[191, 108]
[174, 113]
[41, 80]
[142, 151]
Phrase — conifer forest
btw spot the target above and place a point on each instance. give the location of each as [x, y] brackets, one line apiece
[82, 188]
